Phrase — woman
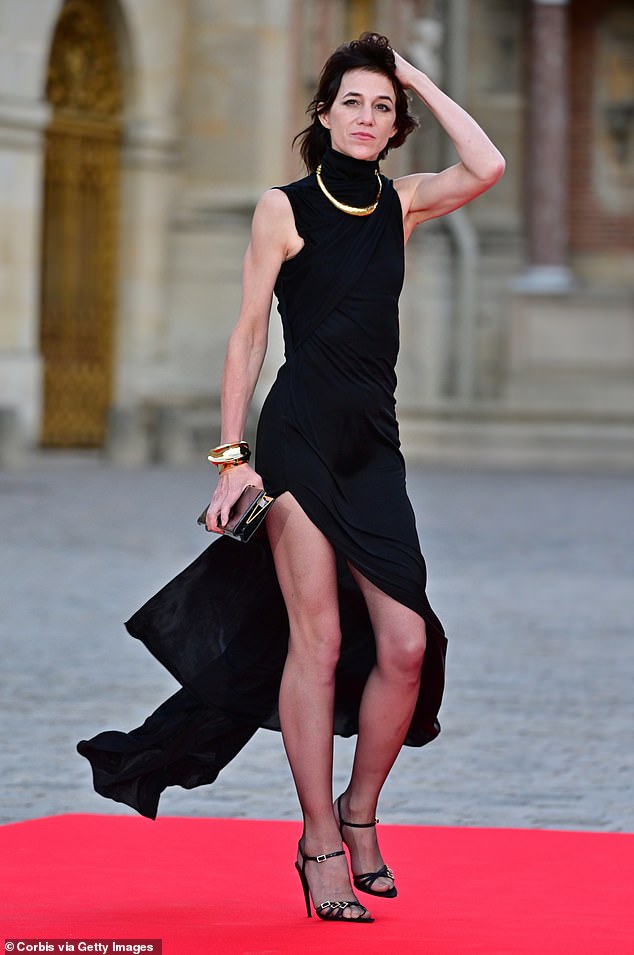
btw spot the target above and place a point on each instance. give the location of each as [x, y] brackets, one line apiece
[342, 528]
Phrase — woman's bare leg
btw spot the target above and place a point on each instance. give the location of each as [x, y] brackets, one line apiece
[306, 570]
[387, 706]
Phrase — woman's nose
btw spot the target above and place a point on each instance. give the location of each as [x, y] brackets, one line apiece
[366, 115]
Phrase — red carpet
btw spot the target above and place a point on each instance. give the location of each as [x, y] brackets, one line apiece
[227, 887]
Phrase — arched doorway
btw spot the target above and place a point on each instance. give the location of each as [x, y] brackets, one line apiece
[80, 225]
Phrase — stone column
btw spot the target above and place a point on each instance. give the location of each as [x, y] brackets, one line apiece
[547, 151]
[21, 123]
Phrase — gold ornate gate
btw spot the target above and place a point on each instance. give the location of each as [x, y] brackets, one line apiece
[80, 226]
[359, 17]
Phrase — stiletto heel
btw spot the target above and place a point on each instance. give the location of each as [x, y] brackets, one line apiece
[366, 880]
[305, 887]
[328, 911]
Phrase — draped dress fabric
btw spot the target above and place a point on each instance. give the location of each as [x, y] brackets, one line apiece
[327, 434]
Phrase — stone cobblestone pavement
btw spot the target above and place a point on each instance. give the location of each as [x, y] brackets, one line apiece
[532, 574]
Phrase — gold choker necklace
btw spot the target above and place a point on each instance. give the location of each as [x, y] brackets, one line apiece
[351, 210]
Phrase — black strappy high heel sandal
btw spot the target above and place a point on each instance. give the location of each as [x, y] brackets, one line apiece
[329, 911]
[365, 881]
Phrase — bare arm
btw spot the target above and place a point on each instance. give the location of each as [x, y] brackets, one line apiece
[428, 195]
[273, 239]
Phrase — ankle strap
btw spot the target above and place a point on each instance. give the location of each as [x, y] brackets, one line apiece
[323, 856]
[354, 825]
[358, 825]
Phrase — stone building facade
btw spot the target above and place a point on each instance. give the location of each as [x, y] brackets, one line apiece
[136, 136]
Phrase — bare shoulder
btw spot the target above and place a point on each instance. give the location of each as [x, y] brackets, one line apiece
[274, 200]
[273, 209]
[274, 223]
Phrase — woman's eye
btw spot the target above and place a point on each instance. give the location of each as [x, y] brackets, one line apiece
[350, 102]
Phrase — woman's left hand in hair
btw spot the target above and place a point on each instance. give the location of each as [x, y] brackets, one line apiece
[404, 71]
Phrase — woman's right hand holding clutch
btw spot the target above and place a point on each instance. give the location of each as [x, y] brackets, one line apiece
[231, 483]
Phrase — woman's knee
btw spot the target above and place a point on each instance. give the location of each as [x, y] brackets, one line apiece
[401, 652]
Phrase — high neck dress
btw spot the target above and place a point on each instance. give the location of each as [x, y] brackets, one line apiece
[327, 434]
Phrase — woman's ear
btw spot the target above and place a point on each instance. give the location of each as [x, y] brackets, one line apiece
[322, 116]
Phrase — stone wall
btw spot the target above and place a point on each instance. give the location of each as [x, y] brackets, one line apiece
[23, 115]
[213, 95]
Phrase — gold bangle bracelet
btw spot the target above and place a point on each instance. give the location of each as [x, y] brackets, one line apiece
[238, 451]
[228, 464]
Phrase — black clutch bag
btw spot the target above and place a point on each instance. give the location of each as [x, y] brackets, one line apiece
[246, 514]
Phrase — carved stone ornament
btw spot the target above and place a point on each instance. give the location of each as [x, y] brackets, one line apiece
[83, 75]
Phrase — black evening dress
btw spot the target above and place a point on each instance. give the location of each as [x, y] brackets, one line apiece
[328, 434]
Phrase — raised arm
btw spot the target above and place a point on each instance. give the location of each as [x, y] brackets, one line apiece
[428, 195]
[273, 239]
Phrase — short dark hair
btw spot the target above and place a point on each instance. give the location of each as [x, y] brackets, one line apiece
[370, 52]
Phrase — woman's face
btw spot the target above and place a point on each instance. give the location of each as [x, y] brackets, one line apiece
[362, 118]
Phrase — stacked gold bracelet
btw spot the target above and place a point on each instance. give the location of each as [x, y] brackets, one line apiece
[229, 455]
